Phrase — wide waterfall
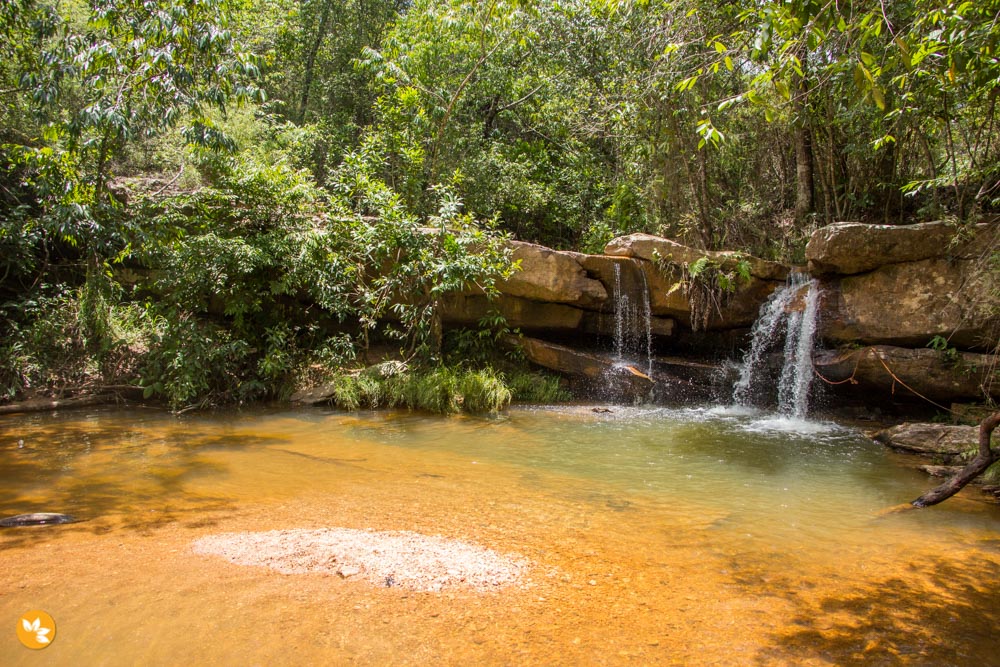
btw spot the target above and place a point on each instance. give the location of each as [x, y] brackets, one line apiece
[783, 322]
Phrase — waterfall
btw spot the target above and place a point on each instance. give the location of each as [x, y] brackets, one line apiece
[778, 317]
[633, 332]
[797, 372]
[647, 319]
[621, 305]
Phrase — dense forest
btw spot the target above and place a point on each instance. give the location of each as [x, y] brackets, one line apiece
[213, 200]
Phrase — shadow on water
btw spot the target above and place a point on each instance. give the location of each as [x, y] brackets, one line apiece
[107, 478]
[942, 611]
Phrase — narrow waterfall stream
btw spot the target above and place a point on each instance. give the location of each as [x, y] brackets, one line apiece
[797, 371]
[782, 322]
[633, 334]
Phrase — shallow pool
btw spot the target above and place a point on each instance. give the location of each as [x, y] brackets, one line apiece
[694, 536]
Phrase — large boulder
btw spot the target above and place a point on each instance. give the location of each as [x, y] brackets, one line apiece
[936, 439]
[654, 248]
[909, 304]
[847, 248]
[552, 276]
[916, 373]
[630, 274]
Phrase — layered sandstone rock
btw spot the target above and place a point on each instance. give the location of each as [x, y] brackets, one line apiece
[887, 371]
[847, 248]
[899, 285]
[909, 304]
[552, 276]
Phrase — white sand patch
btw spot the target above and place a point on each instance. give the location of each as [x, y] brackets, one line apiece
[397, 558]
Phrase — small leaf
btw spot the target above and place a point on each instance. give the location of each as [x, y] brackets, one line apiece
[878, 97]
[26, 625]
[42, 639]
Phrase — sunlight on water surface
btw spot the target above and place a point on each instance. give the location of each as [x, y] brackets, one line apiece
[710, 536]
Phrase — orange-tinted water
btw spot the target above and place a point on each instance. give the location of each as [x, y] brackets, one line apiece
[657, 537]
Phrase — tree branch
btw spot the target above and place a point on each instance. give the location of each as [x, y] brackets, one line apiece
[984, 458]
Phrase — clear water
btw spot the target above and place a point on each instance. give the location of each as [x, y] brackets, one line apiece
[701, 536]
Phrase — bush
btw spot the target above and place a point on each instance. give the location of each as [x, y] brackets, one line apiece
[441, 390]
[536, 387]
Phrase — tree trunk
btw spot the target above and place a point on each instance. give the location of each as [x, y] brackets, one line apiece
[310, 66]
[707, 229]
[804, 188]
[976, 467]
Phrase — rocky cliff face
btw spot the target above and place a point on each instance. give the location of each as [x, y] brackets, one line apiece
[889, 291]
[569, 292]
[886, 293]
[887, 285]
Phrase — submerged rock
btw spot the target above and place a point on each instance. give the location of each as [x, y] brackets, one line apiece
[36, 519]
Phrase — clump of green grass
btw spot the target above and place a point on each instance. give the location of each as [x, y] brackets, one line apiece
[535, 387]
[353, 392]
[441, 389]
[484, 391]
[434, 391]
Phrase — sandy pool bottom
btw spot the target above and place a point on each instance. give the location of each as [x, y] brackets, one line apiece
[603, 582]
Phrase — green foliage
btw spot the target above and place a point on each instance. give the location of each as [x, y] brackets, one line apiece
[439, 389]
[126, 71]
[263, 240]
[596, 238]
[67, 341]
[271, 241]
[706, 282]
[536, 387]
[193, 362]
[949, 354]
[992, 474]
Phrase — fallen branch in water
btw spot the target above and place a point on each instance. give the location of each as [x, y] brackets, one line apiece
[984, 459]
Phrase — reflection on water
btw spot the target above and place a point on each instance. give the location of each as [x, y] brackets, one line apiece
[699, 535]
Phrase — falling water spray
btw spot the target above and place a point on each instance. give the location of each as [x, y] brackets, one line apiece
[783, 324]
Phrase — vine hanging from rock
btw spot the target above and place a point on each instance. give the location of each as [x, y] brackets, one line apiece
[706, 283]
